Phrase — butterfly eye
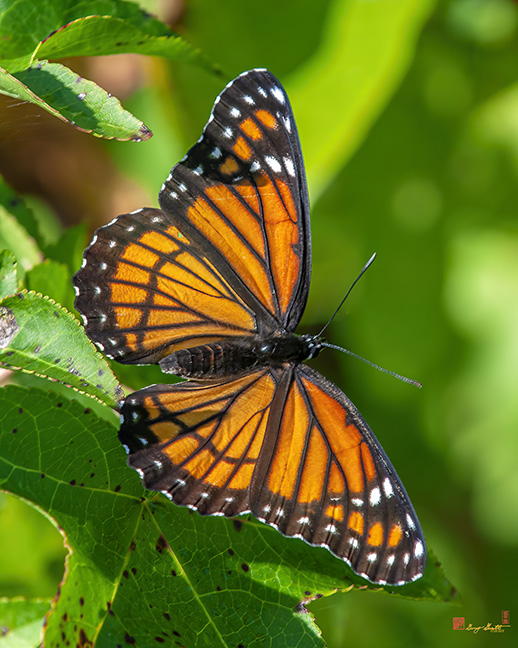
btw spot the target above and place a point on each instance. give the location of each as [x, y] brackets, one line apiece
[266, 347]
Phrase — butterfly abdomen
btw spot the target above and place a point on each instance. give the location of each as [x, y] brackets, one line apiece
[239, 355]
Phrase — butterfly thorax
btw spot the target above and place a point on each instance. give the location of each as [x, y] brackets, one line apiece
[240, 355]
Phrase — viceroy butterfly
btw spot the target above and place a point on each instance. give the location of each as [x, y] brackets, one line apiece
[212, 287]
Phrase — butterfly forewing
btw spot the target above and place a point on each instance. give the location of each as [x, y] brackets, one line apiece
[240, 194]
[323, 476]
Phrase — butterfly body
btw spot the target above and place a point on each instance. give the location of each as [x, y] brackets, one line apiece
[240, 355]
[212, 286]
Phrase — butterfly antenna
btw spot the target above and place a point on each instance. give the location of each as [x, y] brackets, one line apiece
[369, 262]
[382, 369]
[355, 355]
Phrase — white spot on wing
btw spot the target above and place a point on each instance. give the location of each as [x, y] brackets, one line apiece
[278, 94]
[418, 549]
[234, 112]
[228, 132]
[372, 557]
[375, 496]
[273, 163]
[410, 522]
[288, 163]
[387, 488]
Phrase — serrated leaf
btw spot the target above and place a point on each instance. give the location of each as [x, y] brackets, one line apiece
[14, 237]
[8, 278]
[103, 35]
[141, 567]
[21, 622]
[39, 336]
[30, 24]
[80, 102]
[53, 280]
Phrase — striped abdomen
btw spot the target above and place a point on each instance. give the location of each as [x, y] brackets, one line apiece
[240, 355]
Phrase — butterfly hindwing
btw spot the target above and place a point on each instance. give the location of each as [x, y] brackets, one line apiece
[145, 290]
[199, 442]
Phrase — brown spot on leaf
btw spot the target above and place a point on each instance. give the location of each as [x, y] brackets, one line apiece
[161, 544]
[83, 639]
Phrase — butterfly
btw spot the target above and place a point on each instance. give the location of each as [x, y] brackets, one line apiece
[212, 287]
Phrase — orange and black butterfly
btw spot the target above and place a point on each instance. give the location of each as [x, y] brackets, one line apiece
[212, 287]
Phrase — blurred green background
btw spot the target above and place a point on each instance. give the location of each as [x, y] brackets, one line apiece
[428, 180]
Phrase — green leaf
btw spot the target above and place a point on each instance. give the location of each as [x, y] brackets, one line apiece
[16, 206]
[53, 280]
[69, 248]
[36, 28]
[82, 103]
[366, 49]
[138, 377]
[141, 567]
[39, 336]
[14, 237]
[8, 278]
[21, 622]
[103, 35]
